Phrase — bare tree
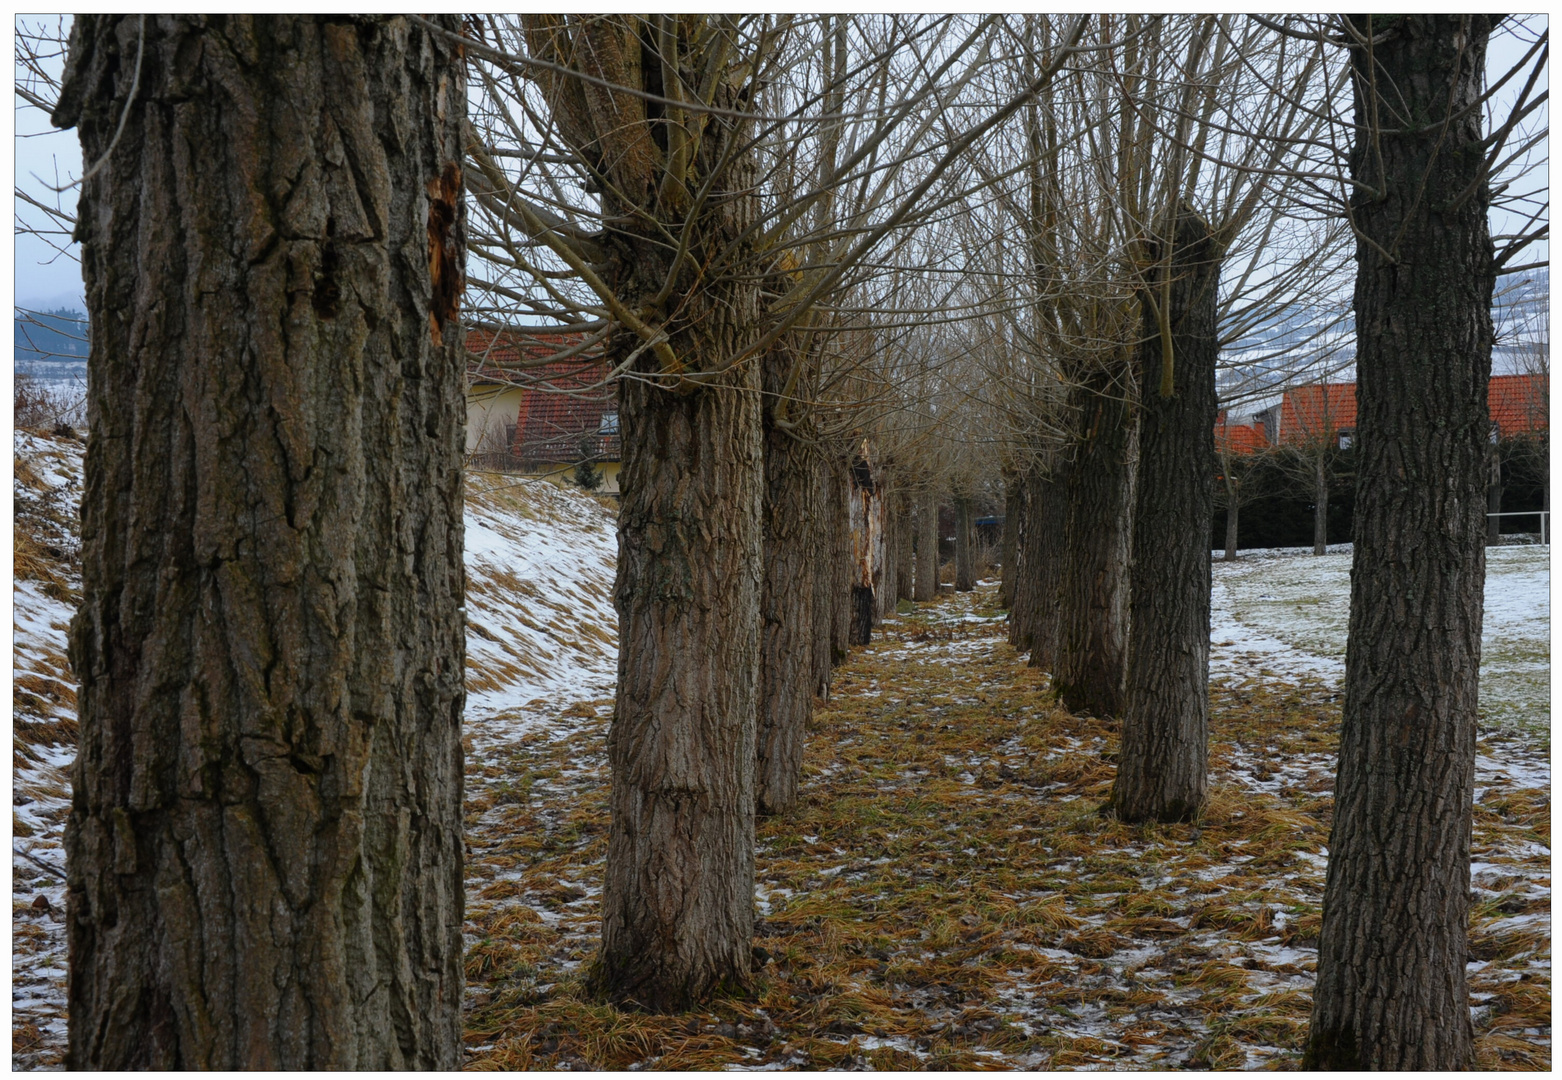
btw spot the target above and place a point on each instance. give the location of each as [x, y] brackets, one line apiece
[1391, 988]
[264, 846]
[645, 179]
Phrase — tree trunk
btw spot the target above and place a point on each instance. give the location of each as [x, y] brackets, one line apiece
[787, 674]
[867, 544]
[823, 572]
[1321, 502]
[677, 898]
[927, 549]
[1163, 762]
[1494, 498]
[1233, 510]
[1018, 569]
[1391, 991]
[965, 574]
[264, 844]
[884, 568]
[904, 575]
[843, 600]
[1092, 594]
[1009, 552]
[1048, 516]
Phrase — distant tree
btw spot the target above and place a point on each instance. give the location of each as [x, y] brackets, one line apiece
[264, 842]
[586, 474]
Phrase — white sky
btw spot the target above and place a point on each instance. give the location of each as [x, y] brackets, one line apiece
[46, 278]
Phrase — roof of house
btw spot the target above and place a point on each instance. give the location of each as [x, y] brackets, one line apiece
[1317, 411]
[566, 412]
[1519, 403]
[1237, 438]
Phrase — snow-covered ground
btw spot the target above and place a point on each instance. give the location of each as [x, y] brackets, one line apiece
[542, 658]
[1285, 611]
[541, 632]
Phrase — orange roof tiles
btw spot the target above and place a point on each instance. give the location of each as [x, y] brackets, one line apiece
[563, 402]
[1317, 411]
[1519, 403]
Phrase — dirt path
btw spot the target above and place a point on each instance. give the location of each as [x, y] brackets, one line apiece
[948, 895]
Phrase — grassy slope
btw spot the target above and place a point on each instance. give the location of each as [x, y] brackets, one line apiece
[948, 896]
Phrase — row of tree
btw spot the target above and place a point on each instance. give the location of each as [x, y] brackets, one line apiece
[837, 266]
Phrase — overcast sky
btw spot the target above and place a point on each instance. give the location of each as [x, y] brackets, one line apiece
[46, 278]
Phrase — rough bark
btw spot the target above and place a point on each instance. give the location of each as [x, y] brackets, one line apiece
[965, 573]
[1092, 593]
[264, 843]
[866, 508]
[1391, 991]
[1163, 761]
[822, 529]
[1023, 600]
[884, 569]
[904, 573]
[787, 674]
[927, 549]
[842, 599]
[1045, 548]
[1009, 551]
[677, 901]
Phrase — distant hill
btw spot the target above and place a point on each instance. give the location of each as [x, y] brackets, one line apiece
[51, 344]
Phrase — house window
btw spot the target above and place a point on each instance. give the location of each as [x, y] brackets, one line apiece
[609, 424]
[1347, 438]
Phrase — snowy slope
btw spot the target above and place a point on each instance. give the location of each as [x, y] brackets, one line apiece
[539, 595]
[541, 634]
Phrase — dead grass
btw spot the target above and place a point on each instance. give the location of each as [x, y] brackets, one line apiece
[948, 895]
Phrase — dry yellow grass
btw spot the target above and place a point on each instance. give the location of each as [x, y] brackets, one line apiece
[948, 894]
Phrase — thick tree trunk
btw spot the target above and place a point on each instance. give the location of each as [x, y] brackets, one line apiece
[677, 898]
[1233, 512]
[904, 574]
[927, 548]
[1033, 621]
[965, 574]
[867, 544]
[678, 895]
[1321, 503]
[1048, 517]
[787, 674]
[843, 598]
[823, 573]
[1092, 593]
[264, 844]
[1009, 552]
[884, 568]
[1163, 762]
[1017, 568]
[1391, 991]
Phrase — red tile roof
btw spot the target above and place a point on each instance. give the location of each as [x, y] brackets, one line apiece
[1317, 411]
[1519, 403]
[563, 402]
[1237, 438]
